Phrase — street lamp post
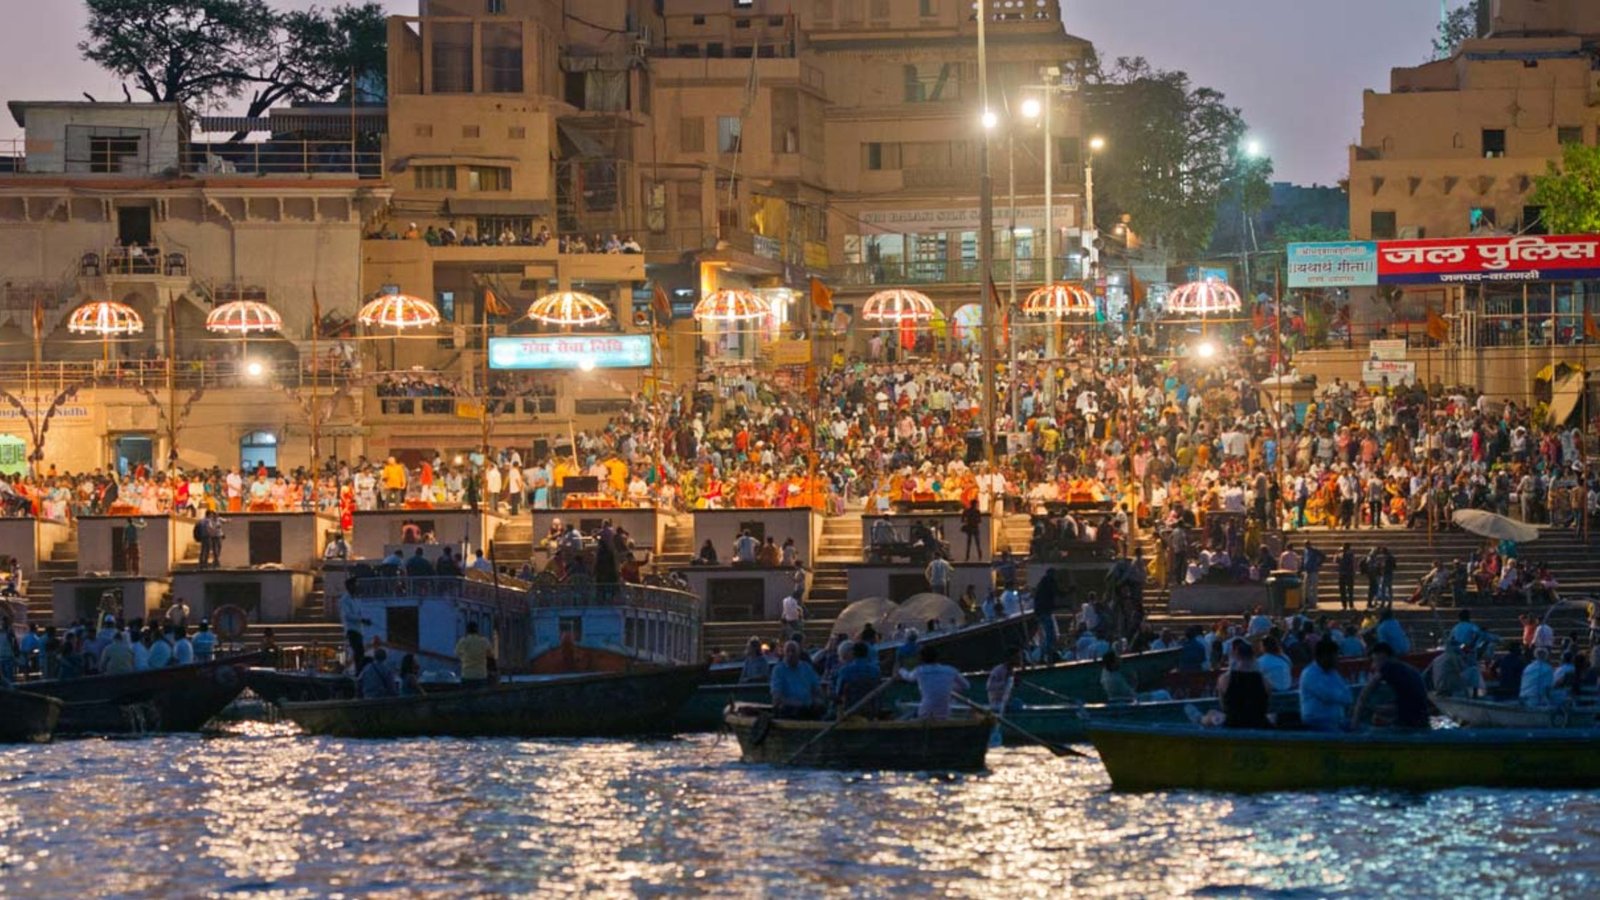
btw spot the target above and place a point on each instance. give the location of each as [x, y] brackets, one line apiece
[986, 235]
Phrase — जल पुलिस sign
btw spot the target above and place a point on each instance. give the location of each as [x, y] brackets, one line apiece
[1554, 257]
[611, 351]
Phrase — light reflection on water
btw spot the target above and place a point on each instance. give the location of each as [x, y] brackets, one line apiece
[267, 813]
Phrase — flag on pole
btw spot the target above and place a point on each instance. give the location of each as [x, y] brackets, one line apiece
[994, 295]
[661, 304]
[1438, 328]
[821, 296]
[494, 305]
[1591, 330]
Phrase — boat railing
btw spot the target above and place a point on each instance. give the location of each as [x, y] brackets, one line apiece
[517, 595]
[599, 595]
[448, 587]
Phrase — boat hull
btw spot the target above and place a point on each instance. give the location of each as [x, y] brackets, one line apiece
[918, 745]
[275, 686]
[173, 699]
[1186, 757]
[605, 705]
[1498, 714]
[1079, 680]
[27, 717]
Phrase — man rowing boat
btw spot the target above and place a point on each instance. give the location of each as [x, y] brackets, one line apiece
[936, 682]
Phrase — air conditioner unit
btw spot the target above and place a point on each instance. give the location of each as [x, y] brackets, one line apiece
[1412, 232]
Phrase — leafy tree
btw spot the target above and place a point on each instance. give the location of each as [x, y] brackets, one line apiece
[202, 53]
[1307, 233]
[1461, 24]
[1570, 192]
[1173, 150]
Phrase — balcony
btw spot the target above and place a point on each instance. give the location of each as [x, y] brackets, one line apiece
[1029, 270]
[133, 262]
[189, 374]
[271, 158]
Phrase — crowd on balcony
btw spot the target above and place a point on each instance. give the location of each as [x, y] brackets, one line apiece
[508, 236]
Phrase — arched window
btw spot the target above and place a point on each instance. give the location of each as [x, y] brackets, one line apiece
[256, 449]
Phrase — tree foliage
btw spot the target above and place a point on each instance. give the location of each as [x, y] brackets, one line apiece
[1461, 24]
[1307, 233]
[203, 53]
[1173, 150]
[1570, 192]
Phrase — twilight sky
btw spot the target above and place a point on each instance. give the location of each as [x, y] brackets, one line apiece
[1296, 67]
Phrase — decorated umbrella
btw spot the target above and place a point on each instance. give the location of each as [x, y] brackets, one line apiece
[1492, 525]
[731, 305]
[1203, 298]
[898, 305]
[398, 311]
[242, 317]
[568, 309]
[1058, 300]
[105, 318]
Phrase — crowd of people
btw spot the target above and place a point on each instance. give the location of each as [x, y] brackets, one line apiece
[109, 645]
[509, 234]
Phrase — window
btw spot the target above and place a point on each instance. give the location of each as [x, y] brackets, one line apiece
[258, 448]
[517, 133]
[743, 4]
[692, 134]
[1494, 143]
[741, 23]
[688, 50]
[699, 20]
[94, 148]
[1383, 225]
[434, 178]
[496, 6]
[926, 8]
[502, 57]
[469, 131]
[1481, 217]
[1533, 220]
[1569, 135]
[728, 134]
[424, 131]
[714, 51]
[775, 21]
[880, 157]
[488, 178]
[930, 83]
[452, 56]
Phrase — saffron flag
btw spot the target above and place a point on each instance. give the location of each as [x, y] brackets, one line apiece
[1138, 292]
[1438, 328]
[821, 296]
[994, 296]
[493, 305]
[1591, 330]
[660, 303]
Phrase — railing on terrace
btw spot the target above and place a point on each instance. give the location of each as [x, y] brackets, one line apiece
[949, 271]
[150, 260]
[218, 158]
[511, 592]
[427, 407]
[53, 377]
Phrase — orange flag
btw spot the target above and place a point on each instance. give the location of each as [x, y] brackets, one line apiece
[1438, 328]
[1591, 330]
[821, 295]
[660, 303]
[494, 305]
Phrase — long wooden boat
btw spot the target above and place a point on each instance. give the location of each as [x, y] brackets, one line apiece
[972, 647]
[277, 685]
[1076, 680]
[172, 699]
[1064, 723]
[915, 745]
[27, 717]
[1353, 668]
[1189, 757]
[1511, 714]
[596, 705]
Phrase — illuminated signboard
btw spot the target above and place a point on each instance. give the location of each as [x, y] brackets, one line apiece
[612, 351]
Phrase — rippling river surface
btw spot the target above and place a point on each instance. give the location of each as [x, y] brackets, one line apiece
[265, 812]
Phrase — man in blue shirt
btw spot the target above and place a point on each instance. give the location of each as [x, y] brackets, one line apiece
[856, 679]
[1324, 695]
[796, 689]
[1390, 632]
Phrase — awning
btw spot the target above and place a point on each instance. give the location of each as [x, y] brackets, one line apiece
[458, 206]
[582, 144]
[454, 159]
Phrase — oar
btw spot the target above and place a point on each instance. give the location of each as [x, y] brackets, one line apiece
[856, 707]
[1057, 749]
[1073, 701]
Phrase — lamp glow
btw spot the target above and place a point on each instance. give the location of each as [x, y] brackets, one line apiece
[1032, 108]
[990, 120]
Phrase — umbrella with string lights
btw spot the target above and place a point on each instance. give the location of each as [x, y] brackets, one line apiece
[398, 311]
[105, 318]
[1203, 298]
[243, 317]
[898, 305]
[1059, 300]
[731, 305]
[569, 308]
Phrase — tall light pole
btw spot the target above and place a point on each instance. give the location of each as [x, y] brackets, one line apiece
[986, 235]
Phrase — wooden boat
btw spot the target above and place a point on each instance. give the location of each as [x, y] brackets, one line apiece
[277, 685]
[1189, 757]
[1069, 723]
[1353, 668]
[172, 699]
[1077, 680]
[914, 745]
[595, 705]
[27, 717]
[1511, 714]
[973, 647]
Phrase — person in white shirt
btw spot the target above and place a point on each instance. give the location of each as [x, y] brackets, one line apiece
[182, 648]
[936, 682]
[160, 653]
[1275, 667]
[745, 548]
[205, 643]
[141, 651]
[793, 615]
[481, 563]
[1544, 637]
[1538, 678]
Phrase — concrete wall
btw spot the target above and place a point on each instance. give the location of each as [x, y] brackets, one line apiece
[78, 598]
[776, 584]
[31, 540]
[161, 543]
[46, 128]
[721, 527]
[646, 526]
[282, 591]
[376, 529]
[304, 537]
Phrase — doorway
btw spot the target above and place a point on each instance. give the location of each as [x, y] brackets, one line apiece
[131, 450]
[133, 225]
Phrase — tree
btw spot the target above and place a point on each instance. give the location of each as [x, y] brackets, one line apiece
[1307, 233]
[1570, 192]
[201, 53]
[1461, 24]
[1172, 151]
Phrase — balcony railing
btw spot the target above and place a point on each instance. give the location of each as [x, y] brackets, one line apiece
[53, 377]
[949, 271]
[133, 261]
[223, 158]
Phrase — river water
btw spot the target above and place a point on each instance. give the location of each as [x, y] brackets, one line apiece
[265, 812]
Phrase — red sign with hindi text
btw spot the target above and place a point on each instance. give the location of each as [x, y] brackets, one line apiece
[1563, 257]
